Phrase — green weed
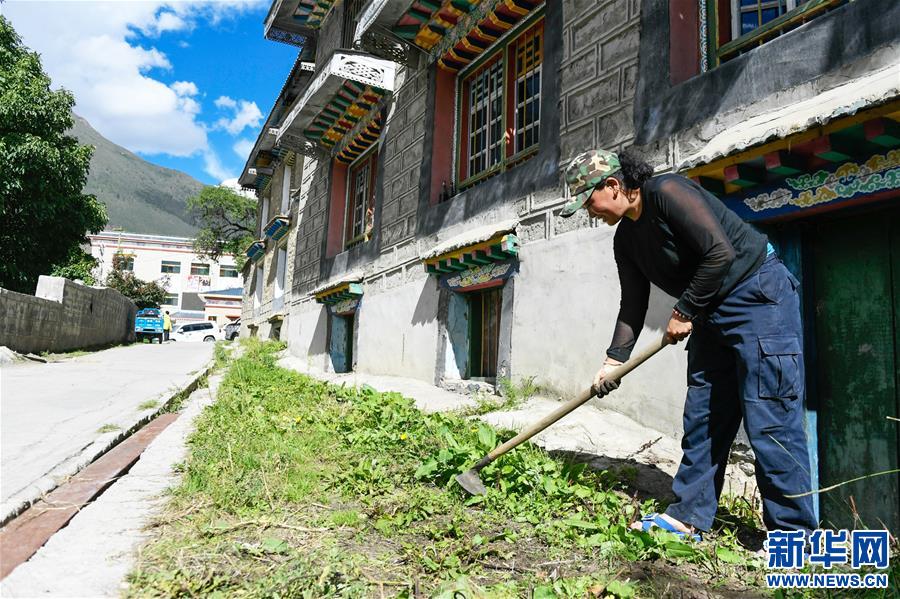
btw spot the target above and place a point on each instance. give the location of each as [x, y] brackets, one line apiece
[148, 405]
[299, 488]
[108, 428]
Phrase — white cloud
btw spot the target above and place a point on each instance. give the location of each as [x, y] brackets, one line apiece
[213, 167]
[243, 147]
[94, 50]
[244, 114]
[185, 88]
[225, 102]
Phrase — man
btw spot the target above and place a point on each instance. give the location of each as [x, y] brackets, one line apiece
[167, 326]
[740, 307]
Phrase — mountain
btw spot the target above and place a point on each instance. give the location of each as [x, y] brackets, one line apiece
[140, 197]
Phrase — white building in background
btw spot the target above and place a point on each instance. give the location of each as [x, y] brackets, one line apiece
[170, 260]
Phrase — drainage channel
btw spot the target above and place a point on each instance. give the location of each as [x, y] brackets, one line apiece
[24, 535]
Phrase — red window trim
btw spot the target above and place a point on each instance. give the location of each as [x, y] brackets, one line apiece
[508, 160]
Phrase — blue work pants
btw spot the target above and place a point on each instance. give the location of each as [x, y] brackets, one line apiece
[745, 361]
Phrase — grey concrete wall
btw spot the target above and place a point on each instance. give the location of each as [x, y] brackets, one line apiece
[63, 316]
[834, 47]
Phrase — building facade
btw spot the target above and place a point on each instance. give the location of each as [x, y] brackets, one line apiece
[412, 169]
[170, 260]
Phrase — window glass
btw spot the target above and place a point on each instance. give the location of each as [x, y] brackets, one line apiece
[199, 269]
[123, 262]
[501, 106]
[360, 200]
[171, 299]
[170, 266]
[228, 271]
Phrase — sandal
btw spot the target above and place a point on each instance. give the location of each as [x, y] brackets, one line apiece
[656, 521]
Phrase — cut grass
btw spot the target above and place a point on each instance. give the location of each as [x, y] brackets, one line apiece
[108, 428]
[299, 488]
[148, 405]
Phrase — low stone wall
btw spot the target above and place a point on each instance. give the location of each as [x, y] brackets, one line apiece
[63, 316]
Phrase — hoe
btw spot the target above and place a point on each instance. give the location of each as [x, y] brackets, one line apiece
[471, 482]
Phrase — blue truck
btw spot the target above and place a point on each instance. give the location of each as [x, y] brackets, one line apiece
[148, 324]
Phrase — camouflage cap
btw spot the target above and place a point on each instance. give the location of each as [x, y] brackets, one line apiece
[584, 173]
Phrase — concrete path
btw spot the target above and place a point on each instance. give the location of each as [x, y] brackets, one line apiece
[51, 414]
[601, 437]
[93, 554]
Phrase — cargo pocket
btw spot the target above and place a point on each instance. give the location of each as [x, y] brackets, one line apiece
[779, 366]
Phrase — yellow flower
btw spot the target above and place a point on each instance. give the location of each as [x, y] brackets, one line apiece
[404, 437]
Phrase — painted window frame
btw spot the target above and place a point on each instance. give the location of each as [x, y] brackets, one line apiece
[170, 264]
[199, 266]
[280, 271]
[737, 11]
[285, 190]
[503, 50]
[717, 49]
[225, 267]
[258, 282]
[353, 235]
[176, 303]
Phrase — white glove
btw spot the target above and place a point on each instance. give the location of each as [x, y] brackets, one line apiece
[603, 386]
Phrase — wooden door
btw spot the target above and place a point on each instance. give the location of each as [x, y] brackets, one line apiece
[856, 266]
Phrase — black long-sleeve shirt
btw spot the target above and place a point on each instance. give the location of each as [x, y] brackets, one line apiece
[687, 243]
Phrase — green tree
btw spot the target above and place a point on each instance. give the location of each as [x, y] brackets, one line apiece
[43, 213]
[146, 294]
[78, 265]
[227, 222]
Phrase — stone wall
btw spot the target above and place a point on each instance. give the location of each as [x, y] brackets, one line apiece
[599, 74]
[402, 147]
[64, 316]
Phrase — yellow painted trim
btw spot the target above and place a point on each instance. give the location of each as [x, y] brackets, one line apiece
[483, 245]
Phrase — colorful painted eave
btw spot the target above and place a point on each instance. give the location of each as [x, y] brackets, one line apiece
[458, 31]
[341, 93]
[381, 14]
[339, 292]
[497, 249]
[289, 21]
[278, 227]
[256, 250]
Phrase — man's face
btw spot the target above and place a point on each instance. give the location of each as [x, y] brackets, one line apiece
[607, 202]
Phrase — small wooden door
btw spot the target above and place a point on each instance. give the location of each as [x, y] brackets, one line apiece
[856, 266]
[484, 332]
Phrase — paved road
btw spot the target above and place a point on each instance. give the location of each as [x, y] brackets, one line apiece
[51, 414]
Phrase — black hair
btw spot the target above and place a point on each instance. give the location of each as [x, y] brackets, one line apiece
[634, 170]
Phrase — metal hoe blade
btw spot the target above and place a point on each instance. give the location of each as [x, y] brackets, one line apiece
[470, 481]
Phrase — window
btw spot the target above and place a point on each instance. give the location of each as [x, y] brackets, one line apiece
[203, 326]
[171, 299]
[199, 269]
[360, 200]
[123, 262]
[229, 272]
[170, 266]
[734, 27]
[500, 107]
[280, 272]
[747, 15]
[286, 190]
[264, 216]
[351, 10]
[258, 288]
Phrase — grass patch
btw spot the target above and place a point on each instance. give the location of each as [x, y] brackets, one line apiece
[148, 405]
[108, 428]
[299, 488]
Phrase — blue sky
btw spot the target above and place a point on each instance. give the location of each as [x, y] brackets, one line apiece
[186, 84]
